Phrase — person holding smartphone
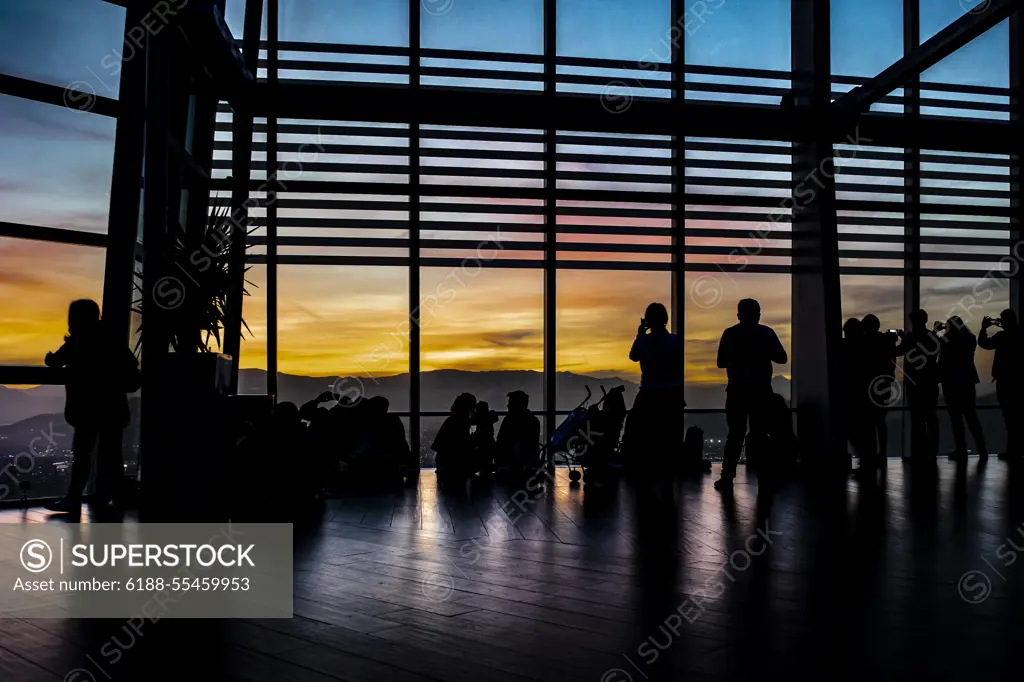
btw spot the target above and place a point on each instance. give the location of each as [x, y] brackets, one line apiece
[654, 425]
[1008, 373]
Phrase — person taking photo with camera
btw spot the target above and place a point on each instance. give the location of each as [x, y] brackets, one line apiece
[959, 377]
[1008, 373]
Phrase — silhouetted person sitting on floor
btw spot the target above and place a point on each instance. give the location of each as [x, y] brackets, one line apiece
[920, 349]
[452, 445]
[879, 372]
[1008, 373]
[517, 447]
[747, 351]
[343, 431]
[98, 375]
[371, 459]
[247, 463]
[959, 378]
[482, 437]
[653, 427]
[322, 433]
[275, 452]
[391, 442]
[288, 436]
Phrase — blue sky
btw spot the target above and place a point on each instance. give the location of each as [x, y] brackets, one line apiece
[62, 41]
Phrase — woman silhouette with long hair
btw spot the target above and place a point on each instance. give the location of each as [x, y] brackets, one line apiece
[98, 375]
[654, 426]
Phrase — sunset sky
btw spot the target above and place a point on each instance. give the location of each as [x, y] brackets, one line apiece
[55, 167]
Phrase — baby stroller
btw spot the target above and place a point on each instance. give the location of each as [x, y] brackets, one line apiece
[588, 438]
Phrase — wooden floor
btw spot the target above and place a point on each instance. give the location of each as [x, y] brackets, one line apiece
[908, 578]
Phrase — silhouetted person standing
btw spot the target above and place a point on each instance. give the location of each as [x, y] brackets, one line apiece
[746, 351]
[959, 378]
[655, 423]
[1008, 373]
[920, 349]
[98, 375]
[879, 373]
[855, 398]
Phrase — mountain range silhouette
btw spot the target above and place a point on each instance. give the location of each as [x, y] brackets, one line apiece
[25, 413]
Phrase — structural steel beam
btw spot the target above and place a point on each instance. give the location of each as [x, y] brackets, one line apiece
[272, 177]
[1016, 149]
[550, 222]
[911, 167]
[241, 172]
[415, 294]
[452, 106]
[679, 290]
[972, 24]
[817, 304]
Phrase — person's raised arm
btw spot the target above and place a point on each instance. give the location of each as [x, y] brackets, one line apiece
[984, 340]
[636, 350]
[58, 358]
[778, 351]
[309, 408]
[902, 347]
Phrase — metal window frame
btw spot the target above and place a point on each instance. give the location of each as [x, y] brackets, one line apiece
[548, 111]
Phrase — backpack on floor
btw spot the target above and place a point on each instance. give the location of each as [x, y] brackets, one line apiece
[693, 450]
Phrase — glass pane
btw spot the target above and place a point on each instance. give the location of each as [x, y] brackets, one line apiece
[252, 356]
[938, 14]
[635, 30]
[965, 220]
[750, 34]
[483, 25]
[711, 308]
[983, 61]
[598, 313]
[870, 187]
[879, 296]
[234, 17]
[339, 218]
[867, 36]
[65, 43]
[35, 442]
[39, 280]
[984, 64]
[351, 22]
[55, 165]
[482, 332]
[345, 329]
[640, 33]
